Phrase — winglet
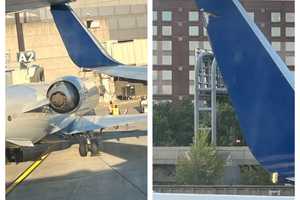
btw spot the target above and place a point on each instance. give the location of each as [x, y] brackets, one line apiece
[82, 47]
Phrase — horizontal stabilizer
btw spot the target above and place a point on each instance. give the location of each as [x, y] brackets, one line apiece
[21, 143]
[90, 123]
[35, 105]
[130, 72]
[259, 83]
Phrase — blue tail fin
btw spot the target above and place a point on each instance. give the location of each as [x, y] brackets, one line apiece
[82, 47]
[259, 83]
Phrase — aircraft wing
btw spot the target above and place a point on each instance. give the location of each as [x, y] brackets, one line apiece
[259, 83]
[90, 123]
[19, 5]
[84, 49]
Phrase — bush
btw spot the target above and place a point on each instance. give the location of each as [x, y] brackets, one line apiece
[255, 175]
[201, 165]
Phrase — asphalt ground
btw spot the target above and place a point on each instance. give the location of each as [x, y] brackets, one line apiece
[119, 172]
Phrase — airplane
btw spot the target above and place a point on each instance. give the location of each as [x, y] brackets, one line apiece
[65, 108]
[259, 84]
[12, 6]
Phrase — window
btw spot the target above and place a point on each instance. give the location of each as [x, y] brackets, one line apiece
[193, 16]
[251, 15]
[276, 46]
[167, 89]
[275, 31]
[193, 45]
[289, 31]
[192, 75]
[193, 31]
[166, 60]
[206, 45]
[191, 89]
[166, 30]
[154, 60]
[166, 75]
[155, 89]
[275, 17]
[154, 45]
[154, 30]
[154, 75]
[289, 17]
[154, 15]
[290, 60]
[191, 60]
[167, 45]
[166, 16]
[289, 46]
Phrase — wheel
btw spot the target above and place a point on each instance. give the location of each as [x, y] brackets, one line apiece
[94, 148]
[83, 150]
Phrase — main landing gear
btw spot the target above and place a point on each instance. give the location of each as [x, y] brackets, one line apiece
[88, 143]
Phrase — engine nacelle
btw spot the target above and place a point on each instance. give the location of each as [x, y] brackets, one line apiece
[71, 94]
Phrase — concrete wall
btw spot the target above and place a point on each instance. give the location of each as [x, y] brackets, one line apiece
[165, 159]
[227, 189]
[43, 38]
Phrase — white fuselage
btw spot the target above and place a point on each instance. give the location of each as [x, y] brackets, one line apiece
[24, 126]
[30, 127]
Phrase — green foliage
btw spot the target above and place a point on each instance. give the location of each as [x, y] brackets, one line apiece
[173, 124]
[228, 127]
[255, 175]
[201, 165]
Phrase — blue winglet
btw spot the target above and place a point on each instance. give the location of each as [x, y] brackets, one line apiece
[259, 83]
[82, 47]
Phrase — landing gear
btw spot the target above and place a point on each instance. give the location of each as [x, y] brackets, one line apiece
[83, 150]
[94, 148]
[88, 145]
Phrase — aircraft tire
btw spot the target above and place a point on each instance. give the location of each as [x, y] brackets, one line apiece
[83, 149]
[94, 148]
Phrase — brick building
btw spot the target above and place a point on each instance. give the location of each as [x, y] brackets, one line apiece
[178, 30]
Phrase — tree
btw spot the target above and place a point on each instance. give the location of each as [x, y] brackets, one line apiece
[228, 127]
[201, 165]
[173, 124]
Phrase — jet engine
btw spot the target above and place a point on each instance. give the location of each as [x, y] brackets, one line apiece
[71, 94]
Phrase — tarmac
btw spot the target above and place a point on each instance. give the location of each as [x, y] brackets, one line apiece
[119, 172]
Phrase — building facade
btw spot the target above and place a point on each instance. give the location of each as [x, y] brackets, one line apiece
[120, 25]
[178, 30]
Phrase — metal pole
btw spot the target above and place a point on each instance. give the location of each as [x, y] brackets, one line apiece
[20, 35]
[213, 103]
[196, 92]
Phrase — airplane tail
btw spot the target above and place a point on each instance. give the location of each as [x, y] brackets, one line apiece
[259, 83]
[82, 46]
